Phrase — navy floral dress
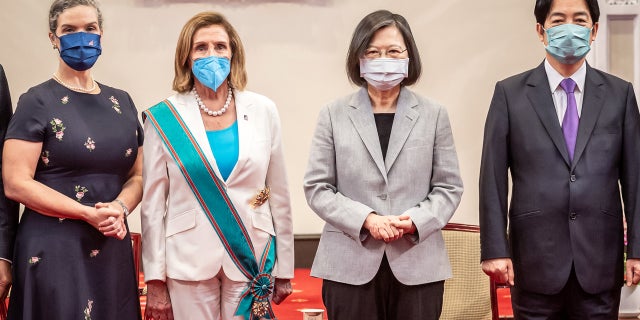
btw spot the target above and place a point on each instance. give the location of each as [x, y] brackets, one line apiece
[64, 269]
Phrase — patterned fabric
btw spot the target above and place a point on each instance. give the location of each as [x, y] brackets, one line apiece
[64, 268]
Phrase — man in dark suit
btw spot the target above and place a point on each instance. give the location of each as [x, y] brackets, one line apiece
[569, 135]
[8, 208]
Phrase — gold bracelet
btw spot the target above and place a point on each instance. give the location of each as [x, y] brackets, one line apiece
[125, 210]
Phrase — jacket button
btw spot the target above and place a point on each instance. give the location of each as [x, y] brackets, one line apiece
[383, 196]
[573, 178]
[573, 215]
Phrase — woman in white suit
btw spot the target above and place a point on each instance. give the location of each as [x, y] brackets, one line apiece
[383, 174]
[216, 217]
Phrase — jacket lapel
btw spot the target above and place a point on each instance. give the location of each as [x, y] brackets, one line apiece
[245, 131]
[188, 109]
[539, 96]
[403, 123]
[592, 103]
[361, 116]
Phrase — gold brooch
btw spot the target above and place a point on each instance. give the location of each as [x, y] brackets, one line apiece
[261, 197]
[260, 308]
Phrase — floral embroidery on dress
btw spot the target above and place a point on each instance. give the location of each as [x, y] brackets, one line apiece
[87, 310]
[128, 152]
[65, 100]
[94, 253]
[116, 105]
[34, 260]
[90, 144]
[58, 127]
[45, 157]
[80, 191]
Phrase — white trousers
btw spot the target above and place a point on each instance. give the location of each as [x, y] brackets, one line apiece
[213, 299]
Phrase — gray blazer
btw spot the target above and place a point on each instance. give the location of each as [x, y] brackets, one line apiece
[347, 178]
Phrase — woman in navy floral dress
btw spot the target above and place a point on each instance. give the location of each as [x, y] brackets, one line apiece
[72, 156]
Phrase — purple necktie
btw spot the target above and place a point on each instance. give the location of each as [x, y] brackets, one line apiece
[570, 121]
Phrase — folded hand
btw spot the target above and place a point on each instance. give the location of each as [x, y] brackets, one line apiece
[382, 228]
[158, 302]
[113, 224]
[281, 290]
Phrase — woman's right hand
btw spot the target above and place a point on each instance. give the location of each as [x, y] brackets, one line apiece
[382, 228]
[158, 301]
[113, 226]
[99, 216]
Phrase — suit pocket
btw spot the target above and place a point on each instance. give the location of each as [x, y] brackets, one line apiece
[610, 213]
[182, 222]
[526, 214]
[606, 130]
[263, 221]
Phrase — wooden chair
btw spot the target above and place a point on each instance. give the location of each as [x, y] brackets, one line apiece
[469, 294]
[136, 243]
[3, 310]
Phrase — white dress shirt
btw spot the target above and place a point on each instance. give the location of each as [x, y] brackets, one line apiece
[558, 94]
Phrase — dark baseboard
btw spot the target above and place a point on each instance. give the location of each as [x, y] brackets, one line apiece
[305, 246]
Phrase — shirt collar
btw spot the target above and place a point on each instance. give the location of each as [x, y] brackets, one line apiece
[555, 77]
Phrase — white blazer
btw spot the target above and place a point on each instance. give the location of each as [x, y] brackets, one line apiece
[178, 240]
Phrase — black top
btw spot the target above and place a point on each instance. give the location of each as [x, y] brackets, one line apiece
[384, 122]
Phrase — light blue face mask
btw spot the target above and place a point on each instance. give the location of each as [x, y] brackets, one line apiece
[568, 43]
[211, 71]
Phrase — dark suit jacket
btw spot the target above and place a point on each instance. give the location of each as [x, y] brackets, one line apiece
[561, 212]
[8, 209]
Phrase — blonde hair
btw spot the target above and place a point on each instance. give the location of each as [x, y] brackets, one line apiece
[183, 80]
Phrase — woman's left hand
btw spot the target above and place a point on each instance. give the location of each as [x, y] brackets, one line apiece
[281, 290]
[405, 224]
[112, 227]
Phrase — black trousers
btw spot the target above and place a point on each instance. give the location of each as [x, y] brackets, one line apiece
[571, 303]
[383, 298]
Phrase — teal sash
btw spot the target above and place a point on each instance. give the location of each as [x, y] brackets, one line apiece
[213, 198]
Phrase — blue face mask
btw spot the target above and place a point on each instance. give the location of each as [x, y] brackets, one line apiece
[80, 50]
[211, 71]
[568, 43]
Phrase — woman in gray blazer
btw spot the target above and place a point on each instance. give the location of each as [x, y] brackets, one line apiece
[383, 174]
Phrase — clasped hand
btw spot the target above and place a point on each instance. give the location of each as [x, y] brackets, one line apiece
[388, 228]
[108, 219]
[281, 290]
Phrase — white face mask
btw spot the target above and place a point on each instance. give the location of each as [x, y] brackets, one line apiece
[384, 73]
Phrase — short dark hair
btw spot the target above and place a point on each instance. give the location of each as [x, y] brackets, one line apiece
[365, 30]
[543, 7]
[58, 6]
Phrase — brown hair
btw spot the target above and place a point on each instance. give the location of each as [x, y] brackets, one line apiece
[183, 80]
[362, 37]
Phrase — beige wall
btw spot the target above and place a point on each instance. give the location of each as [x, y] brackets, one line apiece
[295, 53]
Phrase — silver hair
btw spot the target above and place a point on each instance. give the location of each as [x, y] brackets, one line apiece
[58, 6]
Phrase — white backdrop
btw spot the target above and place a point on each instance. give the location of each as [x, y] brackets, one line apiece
[295, 55]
